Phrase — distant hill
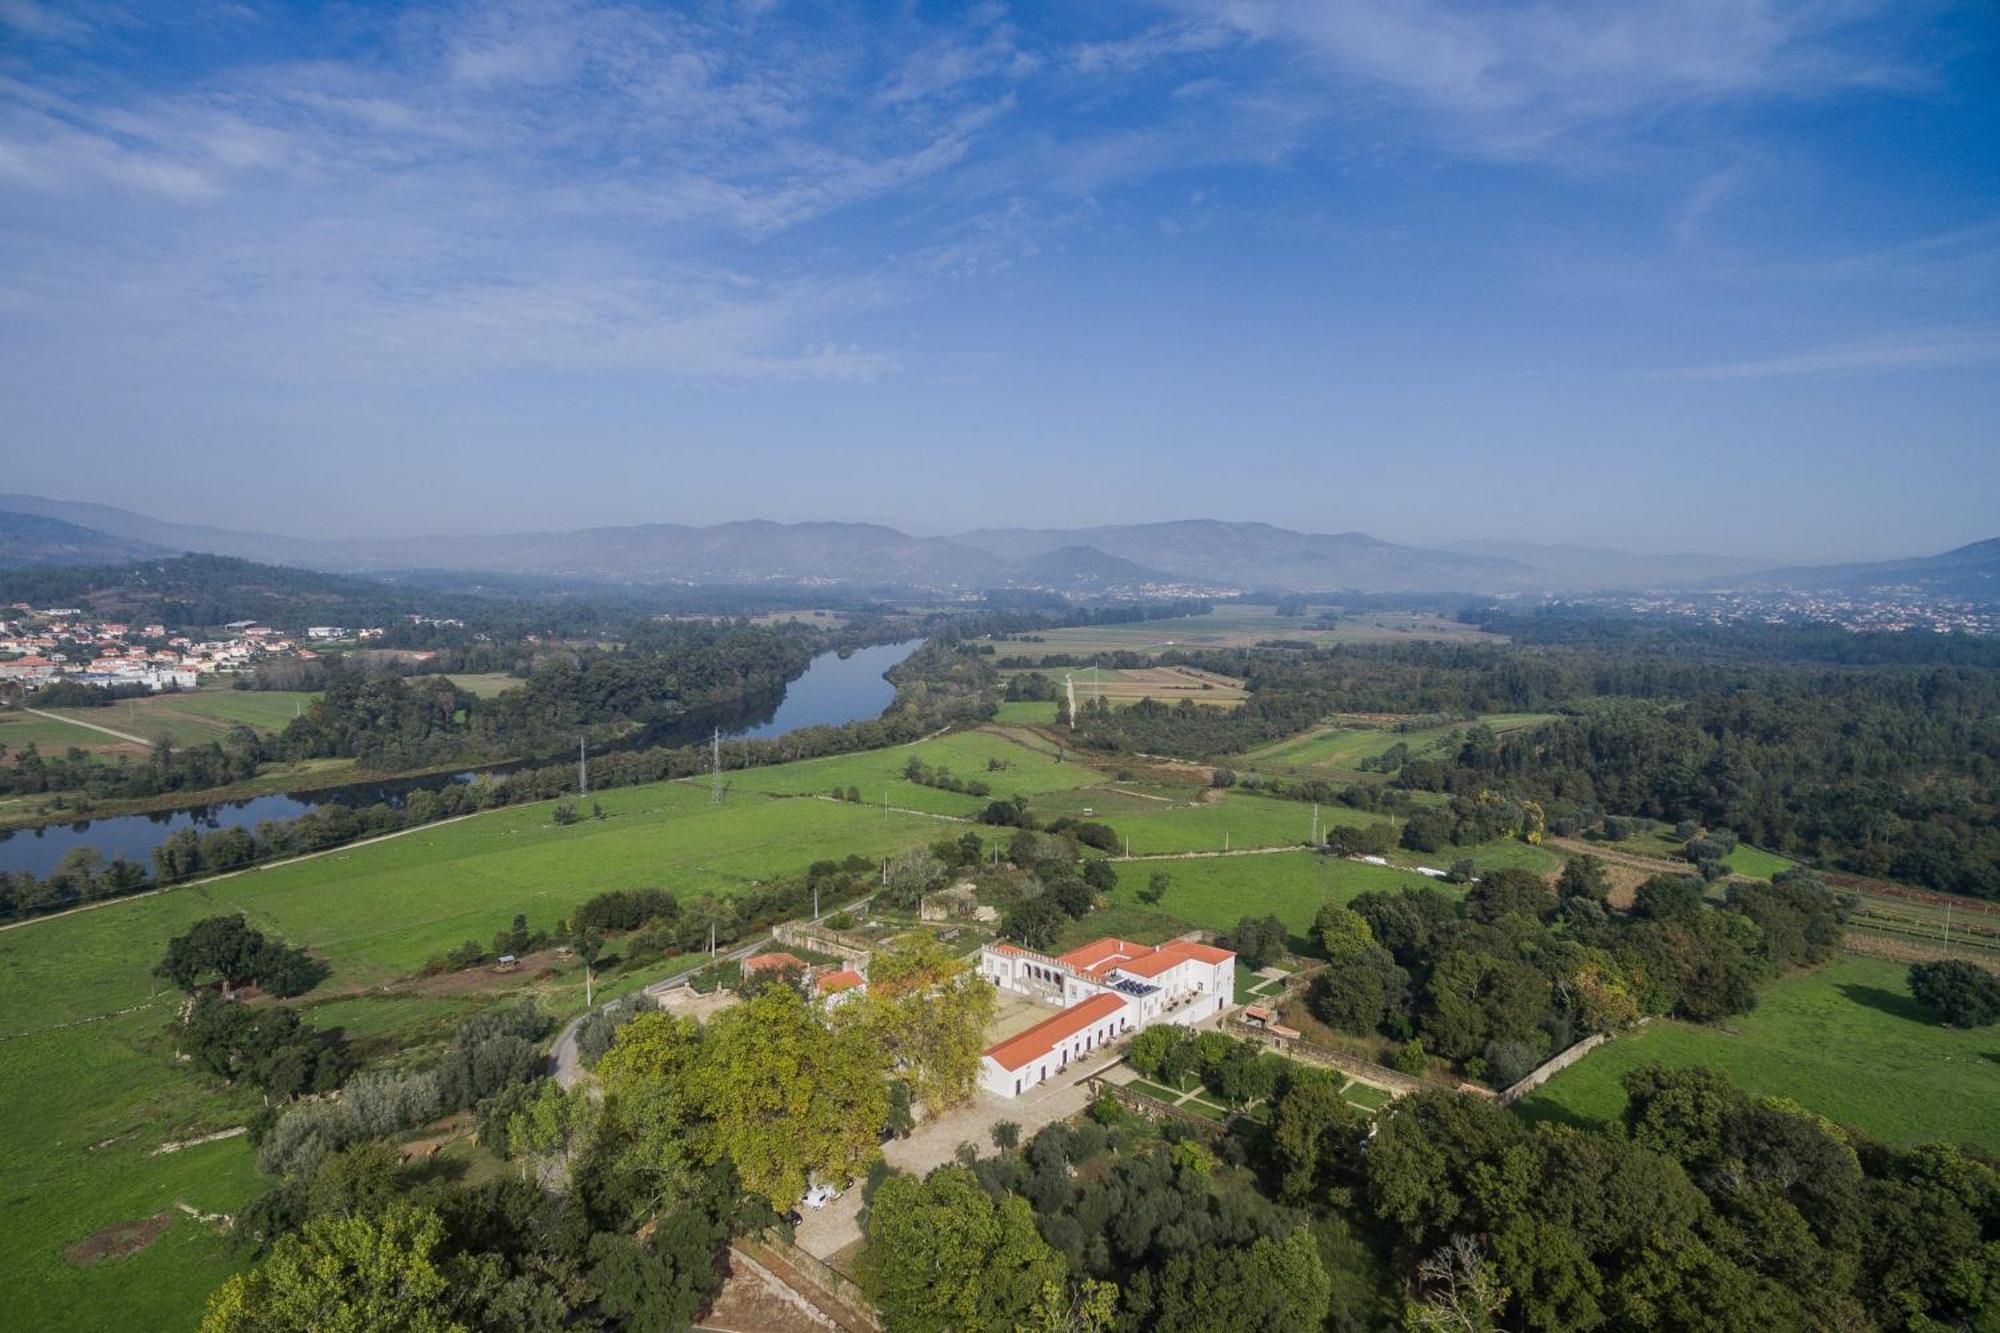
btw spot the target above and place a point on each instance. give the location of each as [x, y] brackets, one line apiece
[1971, 572]
[753, 551]
[208, 590]
[30, 540]
[1084, 567]
[1596, 568]
[1260, 555]
[865, 556]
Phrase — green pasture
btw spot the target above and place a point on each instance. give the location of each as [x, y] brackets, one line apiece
[1022, 771]
[196, 717]
[1248, 820]
[1107, 802]
[86, 1090]
[382, 909]
[82, 1109]
[1215, 892]
[1235, 625]
[1500, 854]
[1846, 1041]
[1027, 712]
[486, 684]
[1748, 860]
[19, 730]
[1342, 747]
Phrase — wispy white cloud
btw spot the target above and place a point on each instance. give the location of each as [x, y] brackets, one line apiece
[551, 184]
[1923, 350]
[1519, 79]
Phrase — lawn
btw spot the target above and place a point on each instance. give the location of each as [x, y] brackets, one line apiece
[969, 755]
[86, 1090]
[1218, 891]
[1846, 1041]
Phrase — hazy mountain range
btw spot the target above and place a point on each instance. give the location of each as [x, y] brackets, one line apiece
[1209, 553]
[30, 540]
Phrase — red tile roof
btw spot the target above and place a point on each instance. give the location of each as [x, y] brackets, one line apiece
[1097, 953]
[1201, 953]
[1046, 1035]
[845, 979]
[1152, 964]
[773, 962]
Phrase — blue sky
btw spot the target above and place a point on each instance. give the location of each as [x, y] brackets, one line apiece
[1662, 274]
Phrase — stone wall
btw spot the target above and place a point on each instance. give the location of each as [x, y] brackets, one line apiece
[1306, 1052]
[1549, 1068]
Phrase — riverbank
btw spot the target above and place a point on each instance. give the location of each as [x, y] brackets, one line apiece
[838, 688]
[45, 808]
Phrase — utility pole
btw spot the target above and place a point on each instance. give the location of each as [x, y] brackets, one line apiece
[715, 773]
[1315, 832]
[711, 939]
[815, 900]
[1225, 840]
[1947, 928]
[582, 770]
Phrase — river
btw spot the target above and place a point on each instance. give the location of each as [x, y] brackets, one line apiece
[834, 690]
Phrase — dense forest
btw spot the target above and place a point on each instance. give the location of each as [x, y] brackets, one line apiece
[1890, 768]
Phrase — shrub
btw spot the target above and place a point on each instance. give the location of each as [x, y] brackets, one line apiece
[1964, 994]
[1508, 1062]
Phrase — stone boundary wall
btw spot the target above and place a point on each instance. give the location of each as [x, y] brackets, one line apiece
[1381, 1076]
[1552, 1066]
[837, 1296]
[1151, 1107]
[821, 940]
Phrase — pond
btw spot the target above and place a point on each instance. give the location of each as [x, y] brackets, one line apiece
[834, 690]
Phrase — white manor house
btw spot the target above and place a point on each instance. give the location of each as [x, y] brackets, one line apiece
[1108, 988]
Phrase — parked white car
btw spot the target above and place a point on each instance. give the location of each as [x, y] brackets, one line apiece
[819, 1196]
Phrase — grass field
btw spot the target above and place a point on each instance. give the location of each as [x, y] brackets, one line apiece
[1343, 746]
[1167, 684]
[193, 718]
[87, 1090]
[486, 684]
[1218, 891]
[19, 730]
[1846, 1041]
[1247, 821]
[1232, 625]
[1747, 860]
[1035, 712]
[1022, 771]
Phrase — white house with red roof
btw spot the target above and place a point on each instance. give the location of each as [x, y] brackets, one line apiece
[1108, 988]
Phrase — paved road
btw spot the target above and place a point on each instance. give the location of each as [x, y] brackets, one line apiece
[829, 1230]
[568, 1064]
